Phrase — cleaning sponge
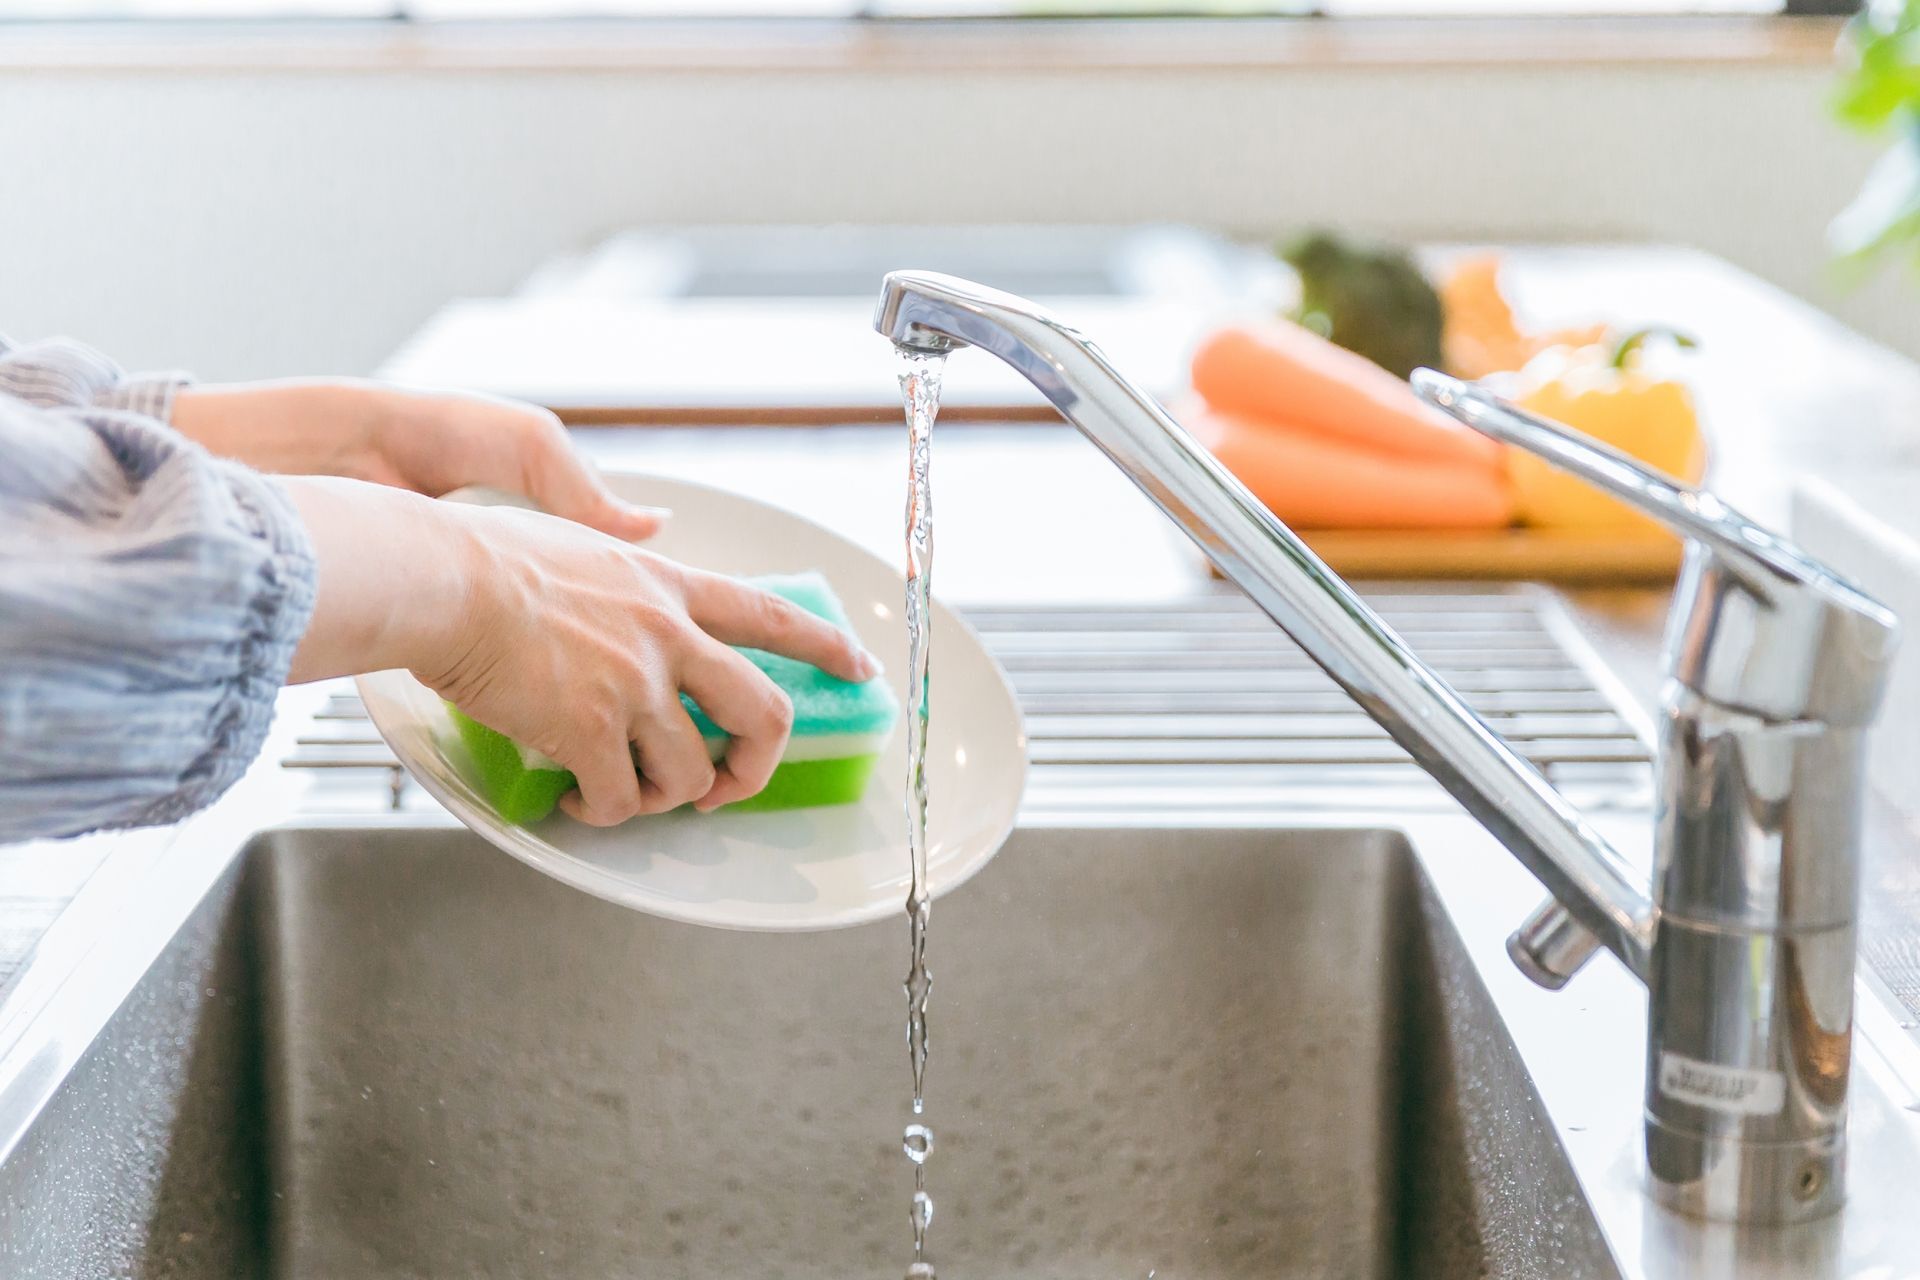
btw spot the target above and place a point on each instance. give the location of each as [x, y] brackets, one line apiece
[839, 730]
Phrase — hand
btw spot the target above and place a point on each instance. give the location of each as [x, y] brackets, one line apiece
[567, 640]
[428, 443]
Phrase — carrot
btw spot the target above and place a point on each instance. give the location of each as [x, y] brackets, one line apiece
[1289, 374]
[1312, 481]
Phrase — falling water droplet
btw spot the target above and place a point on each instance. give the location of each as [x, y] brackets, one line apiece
[922, 1211]
[920, 1271]
[918, 1143]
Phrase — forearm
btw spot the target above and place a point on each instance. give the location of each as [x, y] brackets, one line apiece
[294, 427]
[395, 579]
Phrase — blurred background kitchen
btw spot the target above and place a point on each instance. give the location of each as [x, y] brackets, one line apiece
[261, 187]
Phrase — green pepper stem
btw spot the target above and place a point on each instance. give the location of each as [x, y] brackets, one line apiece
[1639, 338]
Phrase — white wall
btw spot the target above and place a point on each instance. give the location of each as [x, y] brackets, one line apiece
[254, 223]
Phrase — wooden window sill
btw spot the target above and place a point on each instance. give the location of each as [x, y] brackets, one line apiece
[840, 46]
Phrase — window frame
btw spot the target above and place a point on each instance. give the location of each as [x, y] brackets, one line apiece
[870, 43]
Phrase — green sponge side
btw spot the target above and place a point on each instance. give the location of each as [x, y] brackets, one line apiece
[524, 792]
[809, 784]
[522, 795]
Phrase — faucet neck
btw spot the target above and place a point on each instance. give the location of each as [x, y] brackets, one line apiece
[1282, 575]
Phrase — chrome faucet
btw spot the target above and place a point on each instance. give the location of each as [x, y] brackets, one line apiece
[1775, 668]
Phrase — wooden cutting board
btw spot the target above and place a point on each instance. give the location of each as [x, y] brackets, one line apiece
[1547, 555]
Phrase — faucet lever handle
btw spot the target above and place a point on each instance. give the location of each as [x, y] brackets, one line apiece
[1765, 564]
[1761, 627]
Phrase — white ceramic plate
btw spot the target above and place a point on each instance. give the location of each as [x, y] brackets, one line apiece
[801, 869]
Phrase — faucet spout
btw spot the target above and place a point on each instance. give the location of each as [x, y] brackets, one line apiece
[929, 312]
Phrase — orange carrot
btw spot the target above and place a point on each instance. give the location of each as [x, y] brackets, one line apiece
[1283, 372]
[1312, 481]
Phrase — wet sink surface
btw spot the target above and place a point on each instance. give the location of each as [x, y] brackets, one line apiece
[394, 1053]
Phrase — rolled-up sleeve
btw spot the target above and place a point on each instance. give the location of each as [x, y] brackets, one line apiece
[151, 597]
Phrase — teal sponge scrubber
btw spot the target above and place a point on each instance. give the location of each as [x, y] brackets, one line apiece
[839, 730]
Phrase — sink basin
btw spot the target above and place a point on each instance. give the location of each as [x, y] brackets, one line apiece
[391, 1052]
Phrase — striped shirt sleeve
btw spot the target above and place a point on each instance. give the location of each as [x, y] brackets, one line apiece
[151, 597]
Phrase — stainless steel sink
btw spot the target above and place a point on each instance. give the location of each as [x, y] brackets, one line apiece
[392, 1052]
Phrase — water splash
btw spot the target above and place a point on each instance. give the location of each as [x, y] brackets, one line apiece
[920, 393]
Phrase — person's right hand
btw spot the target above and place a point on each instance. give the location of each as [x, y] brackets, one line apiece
[565, 639]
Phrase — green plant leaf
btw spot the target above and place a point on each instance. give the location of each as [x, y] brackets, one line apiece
[1880, 92]
[1886, 212]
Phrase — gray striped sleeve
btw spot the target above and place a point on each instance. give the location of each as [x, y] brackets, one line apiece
[151, 597]
[60, 373]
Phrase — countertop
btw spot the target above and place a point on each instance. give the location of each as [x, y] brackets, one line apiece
[1033, 512]
[1785, 391]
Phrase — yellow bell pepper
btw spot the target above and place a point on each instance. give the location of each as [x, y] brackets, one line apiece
[1604, 392]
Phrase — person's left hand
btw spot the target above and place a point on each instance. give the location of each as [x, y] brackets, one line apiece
[431, 443]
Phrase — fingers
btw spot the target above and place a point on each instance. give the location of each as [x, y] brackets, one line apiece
[446, 441]
[627, 521]
[734, 613]
[607, 790]
[664, 767]
[755, 712]
[674, 767]
[554, 475]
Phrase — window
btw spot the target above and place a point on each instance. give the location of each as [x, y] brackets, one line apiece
[520, 10]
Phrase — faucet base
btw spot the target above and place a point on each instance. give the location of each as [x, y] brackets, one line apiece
[1724, 1179]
